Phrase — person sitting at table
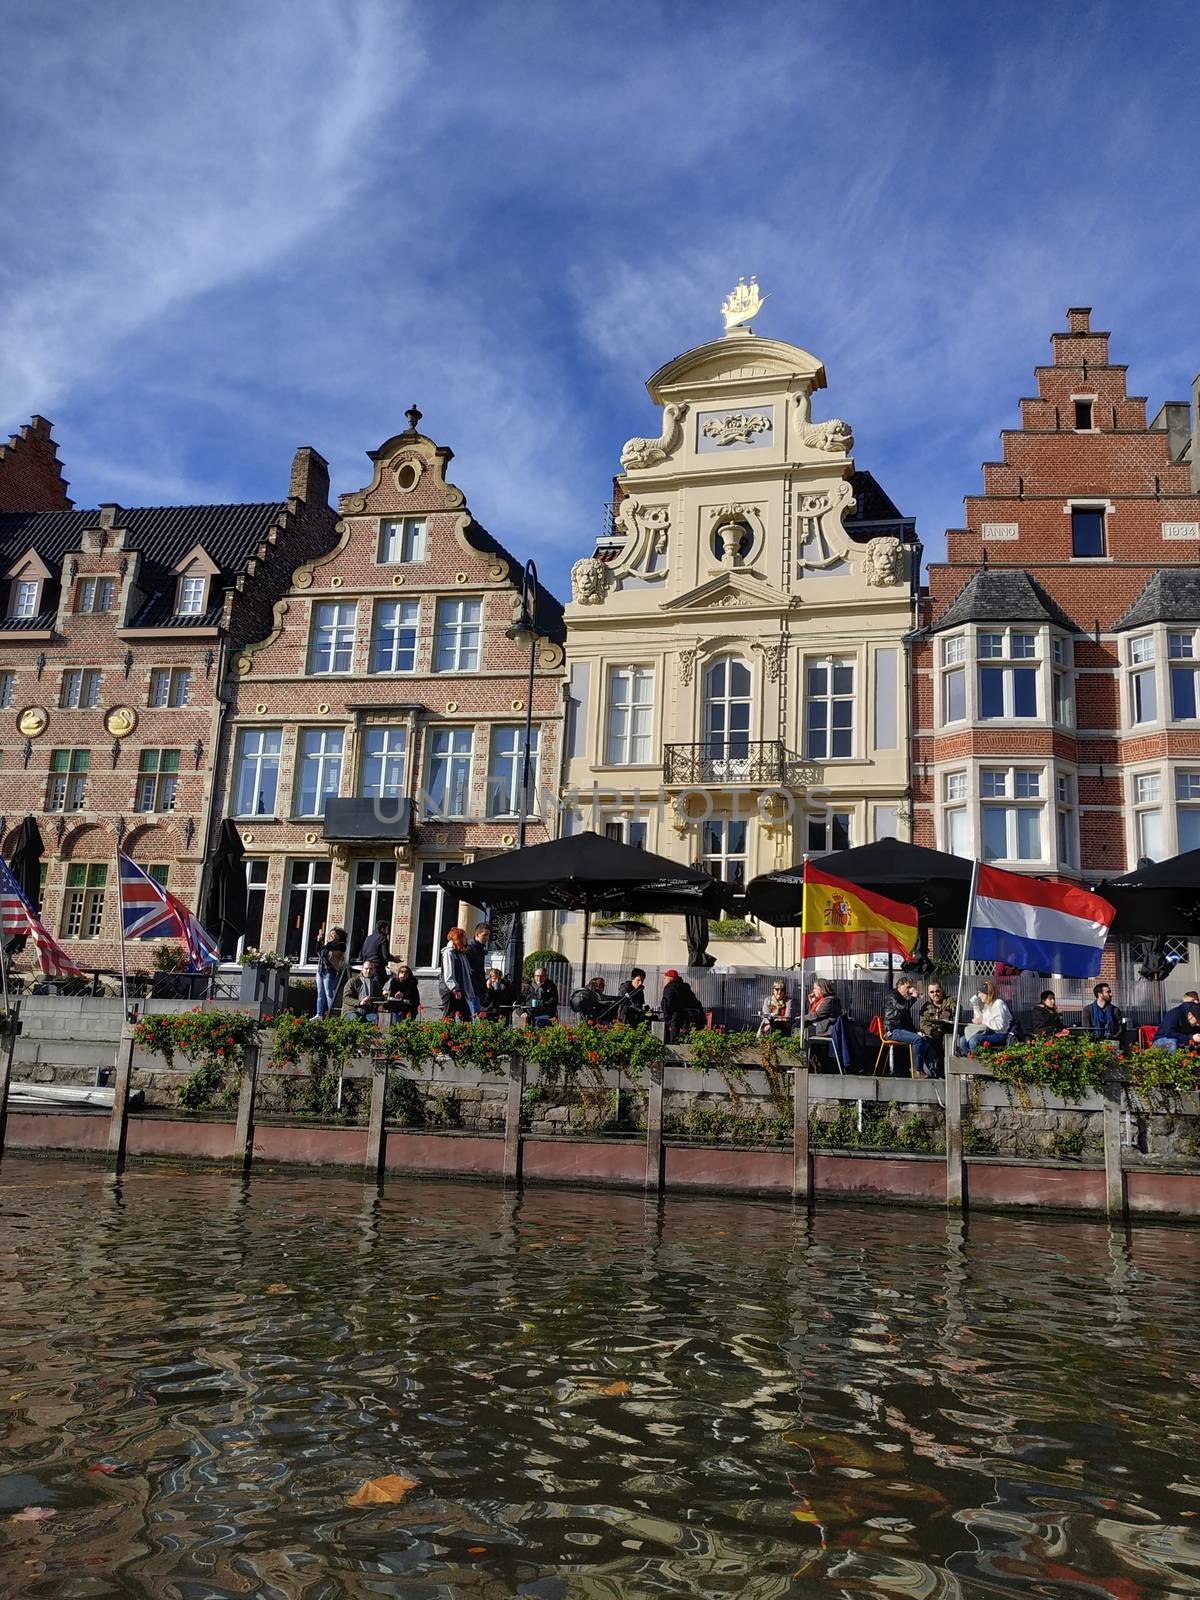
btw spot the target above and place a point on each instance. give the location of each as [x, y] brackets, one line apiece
[935, 1019]
[363, 994]
[592, 1004]
[1180, 1028]
[631, 999]
[401, 995]
[1046, 1021]
[991, 1019]
[1105, 1019]
[497, 1000]
[778, 1012]
[901, 1011]
[539, 1000]
[682, 1012]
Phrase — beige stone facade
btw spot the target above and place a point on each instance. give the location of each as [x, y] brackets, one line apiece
[375, 731]
[736, 671]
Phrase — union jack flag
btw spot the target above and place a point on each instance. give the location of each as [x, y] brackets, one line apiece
[150, 911]
[18, 916]
[202, 949]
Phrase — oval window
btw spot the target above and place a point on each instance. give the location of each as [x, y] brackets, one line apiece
[408, 475]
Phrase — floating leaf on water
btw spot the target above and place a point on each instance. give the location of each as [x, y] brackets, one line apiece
[33, 1514]
[278, 1288]
[386, 1491]
[619, 1387]
[477, 1549]
[102, 1466]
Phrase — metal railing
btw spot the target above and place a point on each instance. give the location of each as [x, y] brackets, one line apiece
[753, 761]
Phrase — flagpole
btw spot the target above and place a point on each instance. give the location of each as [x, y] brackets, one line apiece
[803, 993]
[962, 969]
[121, 919]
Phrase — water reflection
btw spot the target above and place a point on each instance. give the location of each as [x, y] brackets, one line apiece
[597, 1395]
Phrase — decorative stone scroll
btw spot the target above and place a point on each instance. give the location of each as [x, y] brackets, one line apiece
[639, 453]
[739, 428]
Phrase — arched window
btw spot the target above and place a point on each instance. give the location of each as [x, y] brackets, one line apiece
[726, 715]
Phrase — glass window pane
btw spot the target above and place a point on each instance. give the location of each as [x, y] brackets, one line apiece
[991, 692]
[1087, 532]
[1029, 833]
[1189, 829]
[1024, 692]
[1145, 696]
[956, 831]
[995, 833]
[956, 695]
[1183, 693]
[1150, 834]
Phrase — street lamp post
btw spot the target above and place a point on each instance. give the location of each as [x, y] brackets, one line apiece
[523, 632]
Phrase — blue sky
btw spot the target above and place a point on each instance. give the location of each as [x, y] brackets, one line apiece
[229, 229]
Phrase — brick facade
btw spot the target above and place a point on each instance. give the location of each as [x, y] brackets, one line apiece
[30, 476]
[116, 626]
[346, 698]
[1031, 744]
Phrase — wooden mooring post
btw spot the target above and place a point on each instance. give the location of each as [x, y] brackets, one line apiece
[654, 1128]
[13, 1023]
[243, 1138]
[801, 1156]
[376, 1127]
[1114, 1177]
[512, 1119]
[956, 1067]
[118, 1126]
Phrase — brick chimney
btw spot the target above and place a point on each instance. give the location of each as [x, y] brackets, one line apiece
[310, 477]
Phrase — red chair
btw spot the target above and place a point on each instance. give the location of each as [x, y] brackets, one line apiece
[1147, 1034]
[890, 1046]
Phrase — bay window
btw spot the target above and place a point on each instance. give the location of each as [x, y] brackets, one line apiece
[1008, 691]
[1010, 831]
[1184, 666]
[1187, 809]
[1148, 817]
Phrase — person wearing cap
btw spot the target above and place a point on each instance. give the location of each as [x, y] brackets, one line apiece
[681, 1011]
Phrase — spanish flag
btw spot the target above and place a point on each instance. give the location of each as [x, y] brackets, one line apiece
[842, 919]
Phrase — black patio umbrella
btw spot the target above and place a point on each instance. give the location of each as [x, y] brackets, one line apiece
[1157, 898]
[587, 872]
[25, 863]
[223, 900]
[937, 884]
[695, 929]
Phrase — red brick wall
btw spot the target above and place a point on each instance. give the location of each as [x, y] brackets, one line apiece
[30, 475]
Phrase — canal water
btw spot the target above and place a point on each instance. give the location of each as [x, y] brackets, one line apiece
[582, 1394]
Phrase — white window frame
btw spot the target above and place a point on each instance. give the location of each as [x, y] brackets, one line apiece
[170, 688]
[8, 688]
[83, 905]
[1186, 805]
[259, 760]
[411, 533]
[157, 786]
[92, 591]
[629, 715]
[310, 887]
[66, 787]
[720, 854]
[80, 690]
[457, 758]
[1182, 665]
[829, 818]
[427, 961]
[27, 594]
[504, 770]
[458, 636]
[319, 752]
[191, 597]
[333, 637]
[830, 698]
[387, 651]
[1148, 802]
[392, 758]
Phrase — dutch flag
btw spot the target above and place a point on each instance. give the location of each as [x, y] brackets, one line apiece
[1038, 926]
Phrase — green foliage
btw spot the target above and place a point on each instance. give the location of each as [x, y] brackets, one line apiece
[723, 1053]
[155, 1035]
[1160, 1076]
[732, 928]
[301, 997]
[565, 1056]
[403, 1102]
[268, 960]
[409, 1040]
[1068, 1146]
[327, 1044]
[976, 1142]
[630, 1049]
[536, 959]
[444, 1111]
[878, 1132]
[167, 958]
[214, 1041]
[1068, 1068]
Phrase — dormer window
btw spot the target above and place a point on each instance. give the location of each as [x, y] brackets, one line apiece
[95, 594]
[193, 591]
[26, 594]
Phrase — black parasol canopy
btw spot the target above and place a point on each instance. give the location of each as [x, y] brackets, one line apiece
[937, 884]
[1157, 898]
[25, 863]
[223, 901]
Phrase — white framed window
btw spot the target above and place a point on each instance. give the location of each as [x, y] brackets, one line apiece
[448, 772]
[955, 837]
[1148, 817]
[1187, 808]
[630, 716]
[307, 909]
[83, 907]
[67, 787]
[25, 596]
[457, 635]
[157, 780]
[80, 689]
[829, 710]
[256, 772]
[394, 635]
[373, 899]
[1147, 788]
[955, 786]
[1060, 684]
[829, 830]
[1184, 670]
[193, 591]
[505, 764]
[954, 648]
[625, 830]
[172, 687]
[331, 646]
[8, 688]
[725, 711]
[437, 912]
[401, 539]
[256, 903]
[1012, 831]
[95, 595]
[1009, 692]
[954, 695]
[385, 752]
[318, 769]
[1143, 695]
[1141, 649]
[885, 822]
[723, 850]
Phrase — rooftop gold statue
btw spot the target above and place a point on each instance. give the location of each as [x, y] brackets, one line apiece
[742, 303]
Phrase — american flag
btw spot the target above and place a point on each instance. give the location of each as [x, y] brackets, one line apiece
[18, 916]
[150, 911]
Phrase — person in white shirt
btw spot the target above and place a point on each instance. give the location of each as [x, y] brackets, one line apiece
[990, 1019]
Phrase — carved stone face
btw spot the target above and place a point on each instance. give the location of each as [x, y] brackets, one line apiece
[589, 581]
[884, 562]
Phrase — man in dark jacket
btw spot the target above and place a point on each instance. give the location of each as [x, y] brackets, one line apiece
[1045, 1021]
[375, 948]
[478, 963]
[540, 999]
[681, 1011]
[631, 998]
[1104, 1017]
[901, 1022]
[1180, 1028]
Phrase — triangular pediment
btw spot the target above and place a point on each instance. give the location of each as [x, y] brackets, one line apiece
[29, 567]
[730, 591]
[197, 561]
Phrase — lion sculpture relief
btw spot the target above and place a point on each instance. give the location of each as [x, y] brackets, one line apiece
[883, 564]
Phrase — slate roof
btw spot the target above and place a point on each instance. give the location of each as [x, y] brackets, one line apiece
[993, 595]
[161, 534]
[875, 512]
[547, 610]
[1172, 595]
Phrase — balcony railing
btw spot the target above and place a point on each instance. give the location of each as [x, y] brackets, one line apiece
[736, 761]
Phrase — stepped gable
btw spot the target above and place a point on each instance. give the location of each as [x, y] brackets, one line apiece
[30, 474]
[1002, 596]
[1169, 596]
